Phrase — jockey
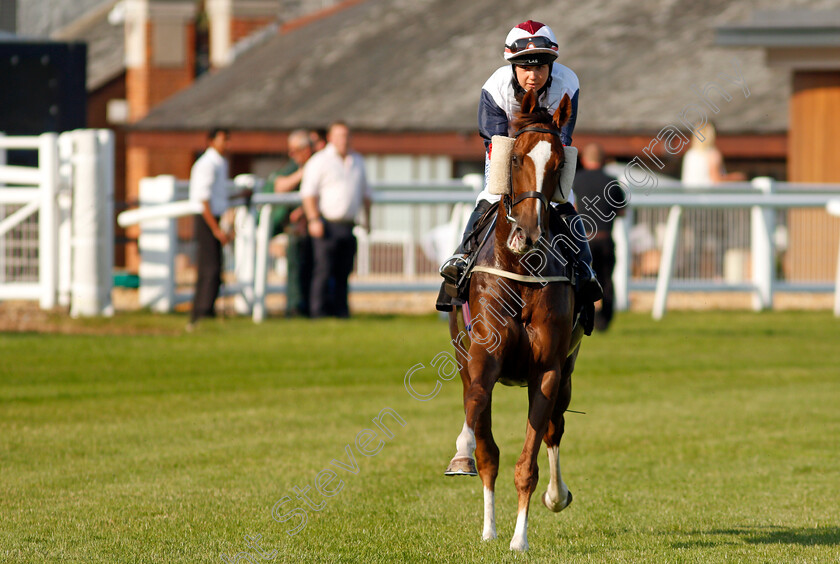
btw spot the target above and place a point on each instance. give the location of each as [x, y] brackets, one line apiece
[531, 49]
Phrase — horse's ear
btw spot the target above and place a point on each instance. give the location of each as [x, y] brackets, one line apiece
[529, 102]
[563, 113]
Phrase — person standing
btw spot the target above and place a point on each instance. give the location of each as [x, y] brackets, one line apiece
[590, 188]
[292, 222]
[705, 230]
[208, 185]
[334, 189]
[318, 137]
[702, 164]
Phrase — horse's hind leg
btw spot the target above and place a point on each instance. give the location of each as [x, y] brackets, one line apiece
[557, 496]
[541, 395]
[487, 458]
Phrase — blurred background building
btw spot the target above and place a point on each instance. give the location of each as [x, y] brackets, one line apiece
[405, 75]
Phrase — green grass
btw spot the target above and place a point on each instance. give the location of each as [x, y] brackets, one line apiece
[708, 437]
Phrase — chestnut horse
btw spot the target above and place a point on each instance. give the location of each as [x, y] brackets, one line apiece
[522, 330]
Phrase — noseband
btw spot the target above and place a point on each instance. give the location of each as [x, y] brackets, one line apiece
[509, 201]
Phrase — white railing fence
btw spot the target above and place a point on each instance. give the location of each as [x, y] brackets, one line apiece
[727, 238]
[56, 221]
[387, 260]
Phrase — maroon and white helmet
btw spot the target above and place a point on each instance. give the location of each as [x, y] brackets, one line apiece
[531, 43]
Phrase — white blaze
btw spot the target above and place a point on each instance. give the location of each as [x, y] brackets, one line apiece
[540, 155]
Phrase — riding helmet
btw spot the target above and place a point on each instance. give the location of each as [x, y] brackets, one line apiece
[531, 43]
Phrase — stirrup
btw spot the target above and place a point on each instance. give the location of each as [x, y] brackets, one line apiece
[453, 268]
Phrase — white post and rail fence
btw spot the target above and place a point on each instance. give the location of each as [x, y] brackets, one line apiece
[762, 198]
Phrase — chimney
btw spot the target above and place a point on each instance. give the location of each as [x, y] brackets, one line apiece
[159, 51]
[233, 21]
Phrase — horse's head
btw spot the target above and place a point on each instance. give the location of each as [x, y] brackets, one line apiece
[536, 161]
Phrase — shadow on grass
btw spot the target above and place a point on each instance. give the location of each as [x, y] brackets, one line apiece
[820, 536]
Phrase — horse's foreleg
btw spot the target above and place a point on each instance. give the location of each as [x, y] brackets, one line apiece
[487, 457]
[557, 496]
[463, 463]
[541, 402]
[476, 400]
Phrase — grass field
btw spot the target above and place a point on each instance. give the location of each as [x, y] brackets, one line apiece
[708, 437]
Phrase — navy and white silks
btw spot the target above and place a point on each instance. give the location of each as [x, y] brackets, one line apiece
[498, 106]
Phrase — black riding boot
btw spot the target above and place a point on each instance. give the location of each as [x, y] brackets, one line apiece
[453, 268]
[587, 287]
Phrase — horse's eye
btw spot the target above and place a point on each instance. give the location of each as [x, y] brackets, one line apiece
[514, 159]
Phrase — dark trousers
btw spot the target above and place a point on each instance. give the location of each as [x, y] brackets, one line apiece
[333, 256]
[299, 274]
[209, 271]
[603, 263]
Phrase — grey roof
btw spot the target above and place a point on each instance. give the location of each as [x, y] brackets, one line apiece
[42, 17]
[106, 44]
[784, 28]
[418, 65]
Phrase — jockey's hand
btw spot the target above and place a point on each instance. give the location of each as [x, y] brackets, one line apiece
[316, 228]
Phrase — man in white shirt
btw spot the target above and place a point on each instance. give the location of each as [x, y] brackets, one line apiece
[208, 185]
[334, 189]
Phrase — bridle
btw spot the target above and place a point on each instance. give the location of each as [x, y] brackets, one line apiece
[508, 201]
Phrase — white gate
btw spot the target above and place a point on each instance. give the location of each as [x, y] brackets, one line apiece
[56, 221]
[29, 190]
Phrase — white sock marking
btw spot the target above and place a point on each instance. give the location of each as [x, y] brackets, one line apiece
[489, 514]
[557, 489]
[520, 534]
[465, 443]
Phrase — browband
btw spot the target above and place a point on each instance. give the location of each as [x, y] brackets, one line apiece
[539, 130]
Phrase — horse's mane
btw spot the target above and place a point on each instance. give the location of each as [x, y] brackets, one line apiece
[540, 116]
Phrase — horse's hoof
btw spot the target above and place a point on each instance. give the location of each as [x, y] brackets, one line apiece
[519, 545]
[461, 466]
[558, 507]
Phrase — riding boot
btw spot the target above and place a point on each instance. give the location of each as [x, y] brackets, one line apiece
[453, 268]
[587, 287]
